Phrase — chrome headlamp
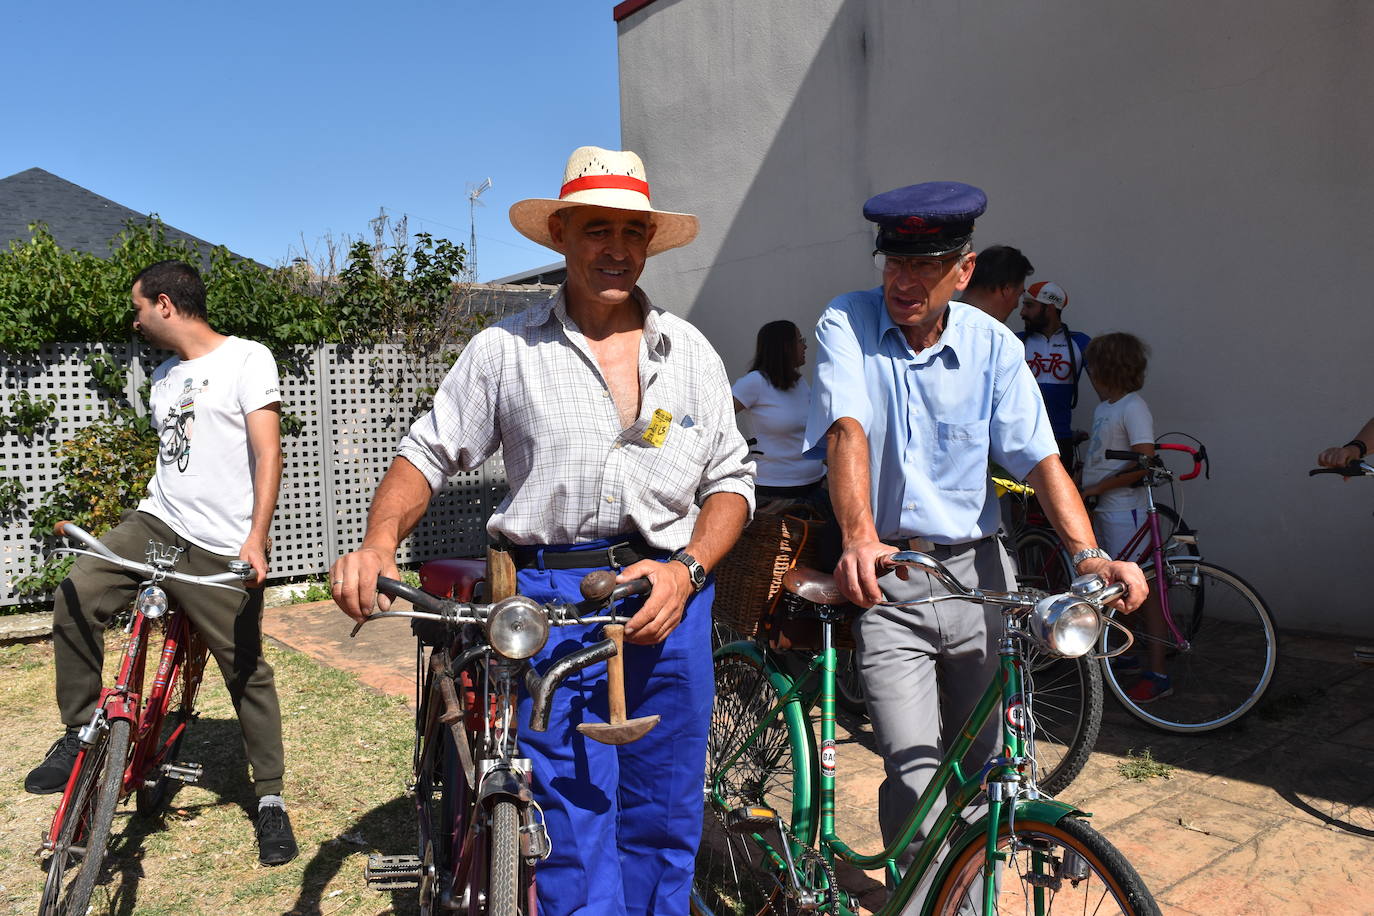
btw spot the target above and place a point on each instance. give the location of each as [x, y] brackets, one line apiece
[152, 602]
[1067, 624]
[517, 627]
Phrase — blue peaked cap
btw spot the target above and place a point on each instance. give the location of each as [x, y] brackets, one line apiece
[929, 219]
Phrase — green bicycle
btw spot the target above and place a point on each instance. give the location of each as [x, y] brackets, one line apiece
[999, 845]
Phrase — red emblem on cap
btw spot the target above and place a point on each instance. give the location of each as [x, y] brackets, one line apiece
[915, 225]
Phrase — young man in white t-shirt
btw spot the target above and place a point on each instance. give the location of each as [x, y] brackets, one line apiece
[1122, 422]
[217, 408]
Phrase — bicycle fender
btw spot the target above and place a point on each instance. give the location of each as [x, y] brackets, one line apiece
[507, 783]
[1044, 810]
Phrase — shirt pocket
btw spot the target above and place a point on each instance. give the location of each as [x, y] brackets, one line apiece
[674, 469]
[959, 460]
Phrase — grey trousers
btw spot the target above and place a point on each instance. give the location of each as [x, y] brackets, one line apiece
[924, 670]
[93, 591]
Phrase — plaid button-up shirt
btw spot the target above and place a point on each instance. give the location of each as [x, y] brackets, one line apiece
[531, 386]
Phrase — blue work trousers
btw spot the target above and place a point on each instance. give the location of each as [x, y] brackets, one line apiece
[624, 822]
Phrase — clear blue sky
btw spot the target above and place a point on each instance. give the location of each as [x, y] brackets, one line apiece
[251, 124]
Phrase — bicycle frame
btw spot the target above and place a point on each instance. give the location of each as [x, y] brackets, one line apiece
[125, 701]
[1147, 546]
[1001, 776]
[451, 709]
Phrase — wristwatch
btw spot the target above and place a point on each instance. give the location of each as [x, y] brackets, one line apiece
[1092, 553]
[694, 569]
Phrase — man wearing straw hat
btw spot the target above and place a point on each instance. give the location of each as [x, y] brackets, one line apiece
[617, 430]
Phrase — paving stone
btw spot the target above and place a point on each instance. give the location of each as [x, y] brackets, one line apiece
[1297, 868]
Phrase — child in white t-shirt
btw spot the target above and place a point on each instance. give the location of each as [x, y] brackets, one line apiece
[1116, 366]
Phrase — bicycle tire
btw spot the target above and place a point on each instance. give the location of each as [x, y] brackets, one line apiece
[176, 714]
[1231, 657]
[732, 872]
[1064, 867]
[1066, 707]
[111, 783]
[75, 825]
[503, 888]
[1041, 561]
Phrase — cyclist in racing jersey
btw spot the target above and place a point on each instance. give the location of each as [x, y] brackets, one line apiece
[1055, 356]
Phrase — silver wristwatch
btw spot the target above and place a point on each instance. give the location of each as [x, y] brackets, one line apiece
[695, 570]
[1092, 553]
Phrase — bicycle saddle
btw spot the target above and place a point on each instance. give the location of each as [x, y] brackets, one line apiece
[812, 585]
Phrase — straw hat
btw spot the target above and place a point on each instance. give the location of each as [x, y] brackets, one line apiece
[599, 177]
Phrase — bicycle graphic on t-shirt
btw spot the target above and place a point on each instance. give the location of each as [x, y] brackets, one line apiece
[176, 432]
[1053, 365]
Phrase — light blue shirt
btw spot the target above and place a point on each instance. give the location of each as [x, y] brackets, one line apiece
[933, 418]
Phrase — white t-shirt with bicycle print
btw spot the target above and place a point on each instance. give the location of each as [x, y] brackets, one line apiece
[1117, 425]
[203, 484]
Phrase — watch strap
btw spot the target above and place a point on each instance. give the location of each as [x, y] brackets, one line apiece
[1091, 553]
[695, 570]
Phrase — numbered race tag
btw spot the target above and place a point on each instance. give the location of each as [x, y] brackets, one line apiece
[658, 428]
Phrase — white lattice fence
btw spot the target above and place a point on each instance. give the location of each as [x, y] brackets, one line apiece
[331, 468]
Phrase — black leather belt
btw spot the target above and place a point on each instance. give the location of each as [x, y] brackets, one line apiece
[624, 553]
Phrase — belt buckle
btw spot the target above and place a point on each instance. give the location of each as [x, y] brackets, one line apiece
[921, 544]
[610, 554]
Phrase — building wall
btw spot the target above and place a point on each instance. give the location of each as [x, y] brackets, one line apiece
[1194, 173]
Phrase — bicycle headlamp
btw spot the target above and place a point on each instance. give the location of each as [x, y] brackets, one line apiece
[1067, 624]
[152, 602]
[517, 627]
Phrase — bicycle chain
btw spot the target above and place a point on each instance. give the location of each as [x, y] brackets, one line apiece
[808, 855]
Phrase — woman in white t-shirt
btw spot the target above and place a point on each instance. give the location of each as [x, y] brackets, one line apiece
[1116, 366]
[778, 399]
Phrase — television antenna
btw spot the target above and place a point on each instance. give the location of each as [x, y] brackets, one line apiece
[474, 192]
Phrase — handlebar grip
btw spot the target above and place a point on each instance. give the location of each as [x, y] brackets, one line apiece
[422, 600]
[60, 529]
[1116, 454]
[1349, 470]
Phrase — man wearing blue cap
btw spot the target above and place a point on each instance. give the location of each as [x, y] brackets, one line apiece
[914, 394]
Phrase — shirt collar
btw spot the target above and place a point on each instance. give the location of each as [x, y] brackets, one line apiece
[952, 338]
[656, 338]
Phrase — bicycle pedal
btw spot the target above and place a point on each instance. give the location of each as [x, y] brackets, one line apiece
[393, 873]
[750, 819]
[189, 773]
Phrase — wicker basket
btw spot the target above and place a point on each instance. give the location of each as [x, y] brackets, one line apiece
[749, 578]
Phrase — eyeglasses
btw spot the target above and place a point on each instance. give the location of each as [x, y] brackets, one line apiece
[924, 268]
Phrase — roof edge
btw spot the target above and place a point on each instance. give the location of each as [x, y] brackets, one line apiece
[629, 8]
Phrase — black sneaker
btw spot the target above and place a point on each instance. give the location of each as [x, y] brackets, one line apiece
[276, 842]
[52, 774]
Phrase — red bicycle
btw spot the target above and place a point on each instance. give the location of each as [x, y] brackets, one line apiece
[130, 746]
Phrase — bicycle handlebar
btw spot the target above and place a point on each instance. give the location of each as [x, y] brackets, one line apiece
[93, 548]
[1088, 588]
[600, 594]
[1355, 468]
[1156, 463]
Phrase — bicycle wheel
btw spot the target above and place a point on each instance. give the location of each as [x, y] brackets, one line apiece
[176, 712]
[849, 686]
[1066, 707]
[1227, 662]
[110, 781]
[71, 839]
[734, 871]
[1042, 562]
[503, 890]
[1066, 867]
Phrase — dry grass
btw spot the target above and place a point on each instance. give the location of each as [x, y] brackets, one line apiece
[347, 756]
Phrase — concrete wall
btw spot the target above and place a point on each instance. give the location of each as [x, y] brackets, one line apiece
[1197, 173]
